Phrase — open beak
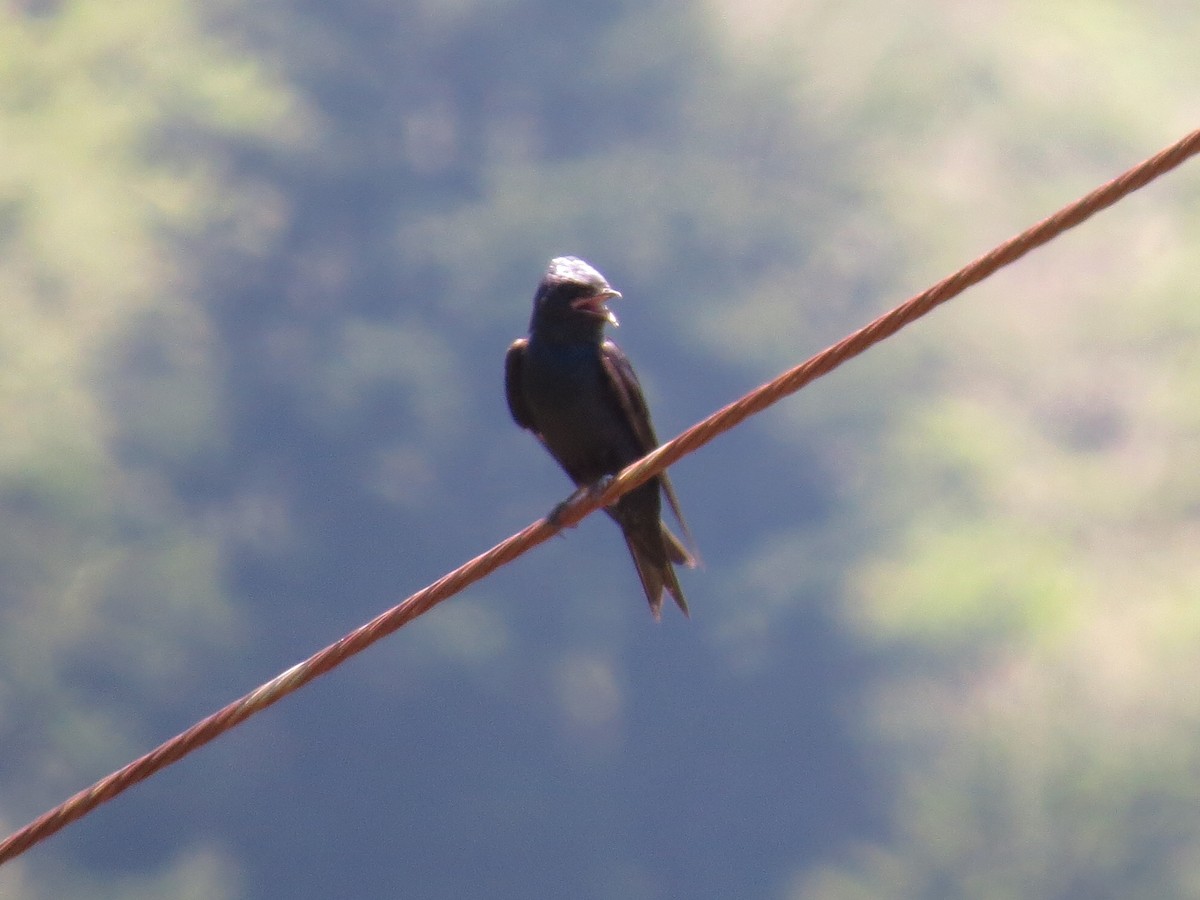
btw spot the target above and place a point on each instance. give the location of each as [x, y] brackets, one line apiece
[595, 305]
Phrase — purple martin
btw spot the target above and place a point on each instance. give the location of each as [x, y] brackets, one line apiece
[578, 394]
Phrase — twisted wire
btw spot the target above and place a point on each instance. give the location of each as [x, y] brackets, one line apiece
[584, 503]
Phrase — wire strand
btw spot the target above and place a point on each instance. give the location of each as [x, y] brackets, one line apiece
[586, 503]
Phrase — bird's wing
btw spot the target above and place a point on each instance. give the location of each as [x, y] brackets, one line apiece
[628, 392]
[623, 383]
[513, 361]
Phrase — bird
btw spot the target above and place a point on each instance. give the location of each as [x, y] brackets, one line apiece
[578, 393]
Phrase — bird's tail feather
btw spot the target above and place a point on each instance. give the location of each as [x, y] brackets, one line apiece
[657, 574]
[676, 551]
[688, 544]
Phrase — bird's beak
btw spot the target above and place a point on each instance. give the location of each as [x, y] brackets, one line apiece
[595, 305]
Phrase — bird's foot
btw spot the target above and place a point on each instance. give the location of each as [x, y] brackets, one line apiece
[559, 518]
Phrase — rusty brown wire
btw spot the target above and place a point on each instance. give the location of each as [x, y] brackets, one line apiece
[688, 442]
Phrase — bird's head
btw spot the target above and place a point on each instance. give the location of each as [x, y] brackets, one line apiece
[573, 296]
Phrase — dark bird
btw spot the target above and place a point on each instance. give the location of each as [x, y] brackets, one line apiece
[578, 394]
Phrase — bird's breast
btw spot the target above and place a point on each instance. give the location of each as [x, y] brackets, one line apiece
[560, 376]
[572, 407]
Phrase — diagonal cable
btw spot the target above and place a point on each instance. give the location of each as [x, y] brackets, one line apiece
[585, 503]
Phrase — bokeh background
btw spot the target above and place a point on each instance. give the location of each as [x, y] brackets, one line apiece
[259, 265]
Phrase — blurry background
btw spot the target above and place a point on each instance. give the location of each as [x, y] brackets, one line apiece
[259, 265]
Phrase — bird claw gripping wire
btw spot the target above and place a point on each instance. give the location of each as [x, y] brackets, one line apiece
[561, 516]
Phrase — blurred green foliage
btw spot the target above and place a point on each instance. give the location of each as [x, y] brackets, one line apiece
[107, 374]
[258, 264]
